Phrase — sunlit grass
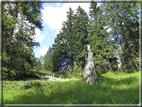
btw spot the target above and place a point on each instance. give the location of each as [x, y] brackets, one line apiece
[113, 88]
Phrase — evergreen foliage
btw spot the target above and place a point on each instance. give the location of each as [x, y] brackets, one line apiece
[100, 40]
[123, 18]
[81, 33]
[38, 65]
[110, 30]
[47, 65]
[77, 70]
[19, 21]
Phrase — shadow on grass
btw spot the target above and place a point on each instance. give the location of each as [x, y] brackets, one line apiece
[78, 92]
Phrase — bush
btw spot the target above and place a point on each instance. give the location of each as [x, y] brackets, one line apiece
[30, 84]
[76, 71]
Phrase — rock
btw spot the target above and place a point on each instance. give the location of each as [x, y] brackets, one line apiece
[89, 70]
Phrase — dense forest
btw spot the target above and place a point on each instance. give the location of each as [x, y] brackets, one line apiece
[112, 30]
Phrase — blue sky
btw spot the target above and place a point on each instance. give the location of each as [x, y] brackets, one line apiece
[53, 15]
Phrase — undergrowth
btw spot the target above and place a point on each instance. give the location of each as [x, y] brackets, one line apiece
[113, 88]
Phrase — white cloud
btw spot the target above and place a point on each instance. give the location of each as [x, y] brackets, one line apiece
[38, 36]
[109, 29]
[54, 16]
[43, 50]
[36, 55]
[99, 4]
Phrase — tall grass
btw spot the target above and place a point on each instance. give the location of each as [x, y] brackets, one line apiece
[113, 88]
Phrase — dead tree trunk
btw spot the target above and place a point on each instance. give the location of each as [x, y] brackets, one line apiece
[89, 71]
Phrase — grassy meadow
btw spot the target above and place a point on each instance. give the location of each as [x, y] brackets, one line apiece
[113, 88]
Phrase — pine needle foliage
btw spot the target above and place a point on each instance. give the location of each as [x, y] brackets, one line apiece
[19, 21]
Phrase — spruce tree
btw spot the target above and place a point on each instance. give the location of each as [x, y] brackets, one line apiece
[65, 40]
[81, 33]
[57, 57]
[19, 21]
[123, 19]
[70, 35]
[47, 60]
[99, 39]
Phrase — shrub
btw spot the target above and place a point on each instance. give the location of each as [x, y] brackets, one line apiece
[30, 84]
[76, 71]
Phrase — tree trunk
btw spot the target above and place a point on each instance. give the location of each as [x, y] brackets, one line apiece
[89, 71]
[91, 79]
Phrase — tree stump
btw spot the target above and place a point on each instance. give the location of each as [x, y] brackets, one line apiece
[89, 71]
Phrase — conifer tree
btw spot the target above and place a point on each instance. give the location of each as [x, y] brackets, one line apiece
[47, 60]
[65, 40]
[99, 39]
[57, 56]
[70, 35]
[124, 20]
[38, 65]
[81, 33]
[19, 21]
